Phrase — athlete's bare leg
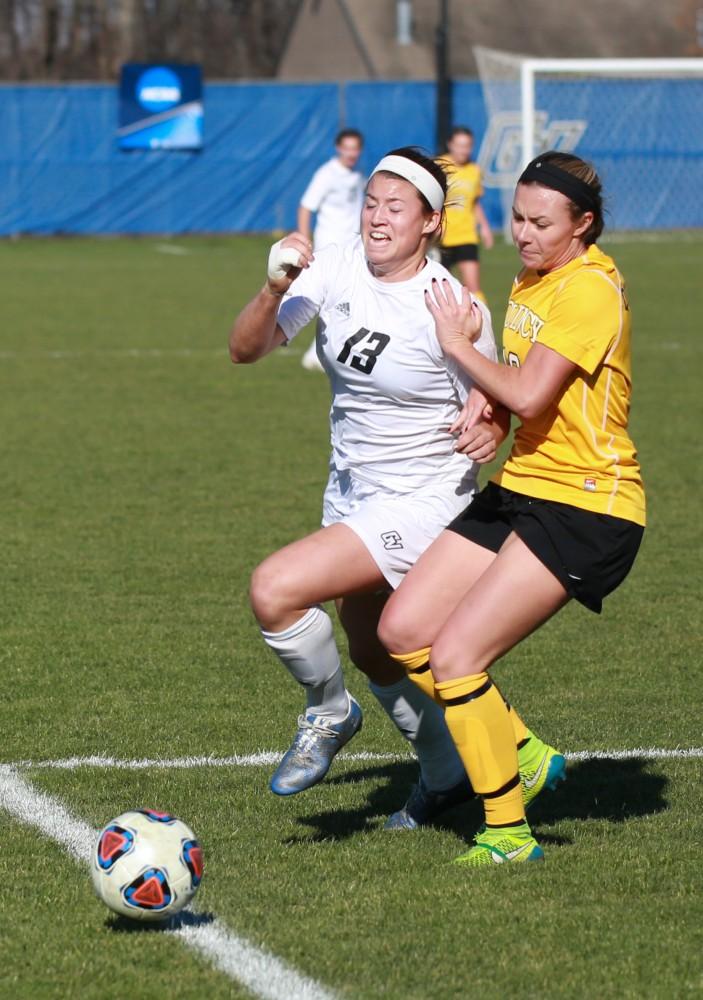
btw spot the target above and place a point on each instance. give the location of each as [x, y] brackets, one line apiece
[469, 274]
[416, 716]
[360, 615]
[328, 564]
[444, 573]
[287, 590]
[513, 596]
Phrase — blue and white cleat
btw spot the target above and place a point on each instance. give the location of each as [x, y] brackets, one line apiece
[311, 753]
[424, 805]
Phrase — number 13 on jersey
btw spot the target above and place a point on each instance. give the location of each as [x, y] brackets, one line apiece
[366, 357]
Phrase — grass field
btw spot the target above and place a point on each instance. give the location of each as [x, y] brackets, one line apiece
[142, 479]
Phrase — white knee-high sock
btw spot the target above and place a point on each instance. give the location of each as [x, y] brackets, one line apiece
[421, 721]
[308, 651]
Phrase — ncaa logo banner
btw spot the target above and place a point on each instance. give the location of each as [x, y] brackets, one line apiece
[160, 107]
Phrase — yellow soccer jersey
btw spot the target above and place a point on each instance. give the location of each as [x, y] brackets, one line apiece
[578, 451]
[465, 188]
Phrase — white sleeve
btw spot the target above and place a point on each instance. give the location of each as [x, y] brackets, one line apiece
[316, 191]
[304, 299]
[486, 343]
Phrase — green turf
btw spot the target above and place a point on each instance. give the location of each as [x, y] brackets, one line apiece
[142, 479]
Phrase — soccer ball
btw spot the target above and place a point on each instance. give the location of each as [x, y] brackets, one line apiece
[146, 865]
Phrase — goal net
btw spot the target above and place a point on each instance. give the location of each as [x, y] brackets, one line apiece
[639, 121]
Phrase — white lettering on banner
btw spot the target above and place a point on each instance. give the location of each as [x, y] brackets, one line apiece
[160, 94]
[500, 157]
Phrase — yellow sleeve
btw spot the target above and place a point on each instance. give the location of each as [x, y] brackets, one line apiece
[584, 320]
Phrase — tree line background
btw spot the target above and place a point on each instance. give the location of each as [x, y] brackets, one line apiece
[91, 39]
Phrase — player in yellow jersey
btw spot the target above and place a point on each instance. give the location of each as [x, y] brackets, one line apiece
[465, 217]
[395, 479]
[563, 518]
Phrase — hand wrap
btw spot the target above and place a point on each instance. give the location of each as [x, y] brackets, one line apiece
[281, 259]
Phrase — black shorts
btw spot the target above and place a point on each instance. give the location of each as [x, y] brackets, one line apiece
[590, 554]
[452, 255]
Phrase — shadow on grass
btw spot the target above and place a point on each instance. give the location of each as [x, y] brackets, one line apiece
[186, 918]
[338, 824]
[609, 789]
[604, 789]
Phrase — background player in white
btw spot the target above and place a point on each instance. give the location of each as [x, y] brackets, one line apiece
[395, 474]
[334, 197]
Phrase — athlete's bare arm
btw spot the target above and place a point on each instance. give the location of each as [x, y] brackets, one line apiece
[255, 331]
[305, 222]
[480, 442]
[484, 227]
[526, 391]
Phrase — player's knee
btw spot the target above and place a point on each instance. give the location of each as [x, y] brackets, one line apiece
[451, 659]
[396, 632]
[270, 594]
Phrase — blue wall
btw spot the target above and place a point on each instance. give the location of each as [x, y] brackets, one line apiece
[61, 170]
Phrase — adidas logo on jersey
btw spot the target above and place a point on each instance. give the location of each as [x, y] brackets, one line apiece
[343, 308]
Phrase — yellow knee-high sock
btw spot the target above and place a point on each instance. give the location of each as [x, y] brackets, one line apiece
[519, 728]
[417, 665]
[529, 748]
[422, 676]
[480, 725]
[521, 731]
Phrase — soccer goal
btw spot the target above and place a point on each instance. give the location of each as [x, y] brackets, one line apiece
[640, 121]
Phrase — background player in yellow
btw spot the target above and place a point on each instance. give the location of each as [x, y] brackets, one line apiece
[564, 517]
[465, 215]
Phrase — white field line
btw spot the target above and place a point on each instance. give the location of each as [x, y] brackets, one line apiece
[117, 352]
[648, 753]
[263, 758]
[172, 248]
[259, 971]
[133, 352]
[47, 814]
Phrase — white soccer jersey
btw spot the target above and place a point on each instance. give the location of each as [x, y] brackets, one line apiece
[394, 394]
[335, 194]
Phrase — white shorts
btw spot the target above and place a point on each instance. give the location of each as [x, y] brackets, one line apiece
[396, 528]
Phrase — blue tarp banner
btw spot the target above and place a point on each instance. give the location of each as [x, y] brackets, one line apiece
[61, 170]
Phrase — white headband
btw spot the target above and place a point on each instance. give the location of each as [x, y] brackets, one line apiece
[419, 177]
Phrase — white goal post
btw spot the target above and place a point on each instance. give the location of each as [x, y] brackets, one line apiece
[640, 121]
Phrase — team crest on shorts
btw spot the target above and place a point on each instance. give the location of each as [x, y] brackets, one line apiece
[391, 540]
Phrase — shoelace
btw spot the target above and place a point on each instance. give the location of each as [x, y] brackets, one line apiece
[309, 730]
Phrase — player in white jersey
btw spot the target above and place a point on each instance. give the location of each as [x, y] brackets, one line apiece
[395, 475]
[334, 197]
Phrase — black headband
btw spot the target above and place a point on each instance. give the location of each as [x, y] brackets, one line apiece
[552, 176]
